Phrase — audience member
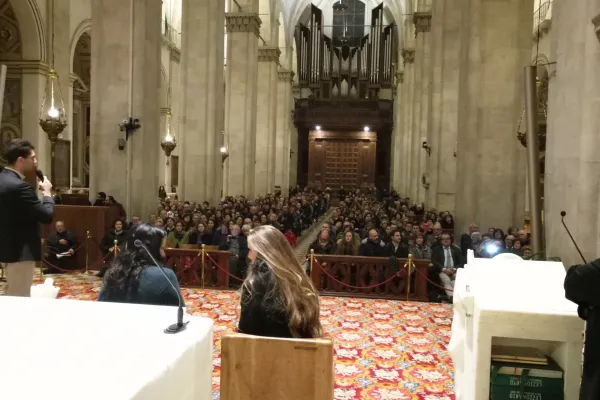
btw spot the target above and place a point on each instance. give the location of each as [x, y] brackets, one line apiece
[278, 299]
[133, 277]
[61, 245]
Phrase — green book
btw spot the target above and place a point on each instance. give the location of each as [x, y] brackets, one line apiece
[515, 380]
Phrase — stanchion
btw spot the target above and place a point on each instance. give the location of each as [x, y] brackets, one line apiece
[41, 264]
[408, 275]
[312, 259]
[202, 259]
[87, 252]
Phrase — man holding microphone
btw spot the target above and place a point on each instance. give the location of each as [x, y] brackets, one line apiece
[21, 213]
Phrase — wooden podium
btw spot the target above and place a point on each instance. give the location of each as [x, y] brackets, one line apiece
[79, 220]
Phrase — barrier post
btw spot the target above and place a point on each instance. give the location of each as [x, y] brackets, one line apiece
[408, 275]
[87, 252]
[115, 248]
[312, 259]
[203, 260]
[41, 263]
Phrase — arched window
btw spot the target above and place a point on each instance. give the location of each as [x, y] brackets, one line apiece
[348, 22]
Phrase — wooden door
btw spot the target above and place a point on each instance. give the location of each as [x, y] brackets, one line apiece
[341, 159]
[341, 163]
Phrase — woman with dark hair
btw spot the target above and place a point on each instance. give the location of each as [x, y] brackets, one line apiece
[162, 193]
[107, 246]
[133, 277]
[111, 202]
[447, 222]
[200, 236]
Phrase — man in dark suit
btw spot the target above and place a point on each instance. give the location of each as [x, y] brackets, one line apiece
[21, 213]
[446, 259]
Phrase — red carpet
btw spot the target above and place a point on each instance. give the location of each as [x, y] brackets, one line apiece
[385, 350]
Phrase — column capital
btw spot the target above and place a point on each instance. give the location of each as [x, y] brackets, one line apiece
[596, 23]
[399, 77]
[243, 22]
[296, 91]
[175, 54]
[422, 21]
[38, 67]
[72, 78]
[408, 55]
[285, 75]
[268, 54]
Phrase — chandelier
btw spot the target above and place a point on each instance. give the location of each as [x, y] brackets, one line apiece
[53, 118]
[168, 143]
[542, 89]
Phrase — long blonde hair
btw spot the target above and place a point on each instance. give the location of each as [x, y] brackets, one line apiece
[292, 286]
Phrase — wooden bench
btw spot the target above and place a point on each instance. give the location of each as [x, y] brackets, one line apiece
[264, 368]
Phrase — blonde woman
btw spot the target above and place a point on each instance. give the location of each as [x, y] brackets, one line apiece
[278, 299]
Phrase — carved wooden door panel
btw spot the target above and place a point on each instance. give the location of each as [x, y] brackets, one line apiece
[341, 163]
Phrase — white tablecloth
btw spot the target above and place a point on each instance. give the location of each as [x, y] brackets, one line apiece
[75, 350]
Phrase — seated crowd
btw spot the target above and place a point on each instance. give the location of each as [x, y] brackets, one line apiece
[225, 226]
[390, 226]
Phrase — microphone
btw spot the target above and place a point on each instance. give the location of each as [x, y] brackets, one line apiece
[180, 325]
[39, 174]
[562, 218]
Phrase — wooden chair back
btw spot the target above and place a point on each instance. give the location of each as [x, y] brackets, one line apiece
[264, 368]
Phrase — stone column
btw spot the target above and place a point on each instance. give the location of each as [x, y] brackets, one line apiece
[294, 138]
[240, 103]
[125, 75]
[491, 161]
[572, 144]
[444, 111]
[422, 22]
[408, 55]
[293, 156]
[284, 127]
[396, 153]
[266, 120]
[414, 177]
[201, 103]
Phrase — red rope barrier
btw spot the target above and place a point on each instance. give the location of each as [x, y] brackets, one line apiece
[76, 270]
[433, 283]
[222, 269]
[55, 250]
[397, 274]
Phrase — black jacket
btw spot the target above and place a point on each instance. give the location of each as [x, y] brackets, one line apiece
[263, 312]
[581, 287]
[370, 249]
[438, 258]
[21, 213]
[400, 252]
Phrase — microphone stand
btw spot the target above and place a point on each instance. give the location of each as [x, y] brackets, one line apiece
[562, 218]
[180, 325]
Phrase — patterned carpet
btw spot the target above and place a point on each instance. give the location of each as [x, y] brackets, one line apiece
[385, 350]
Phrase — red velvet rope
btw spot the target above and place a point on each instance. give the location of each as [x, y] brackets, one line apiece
[356, 287]
[222, 269]
[77, 270]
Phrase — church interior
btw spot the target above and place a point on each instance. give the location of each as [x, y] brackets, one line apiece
[392, 142]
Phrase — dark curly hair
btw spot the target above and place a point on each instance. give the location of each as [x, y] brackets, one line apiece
[122, 278]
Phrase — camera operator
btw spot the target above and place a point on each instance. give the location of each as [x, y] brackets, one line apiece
[581, 287]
